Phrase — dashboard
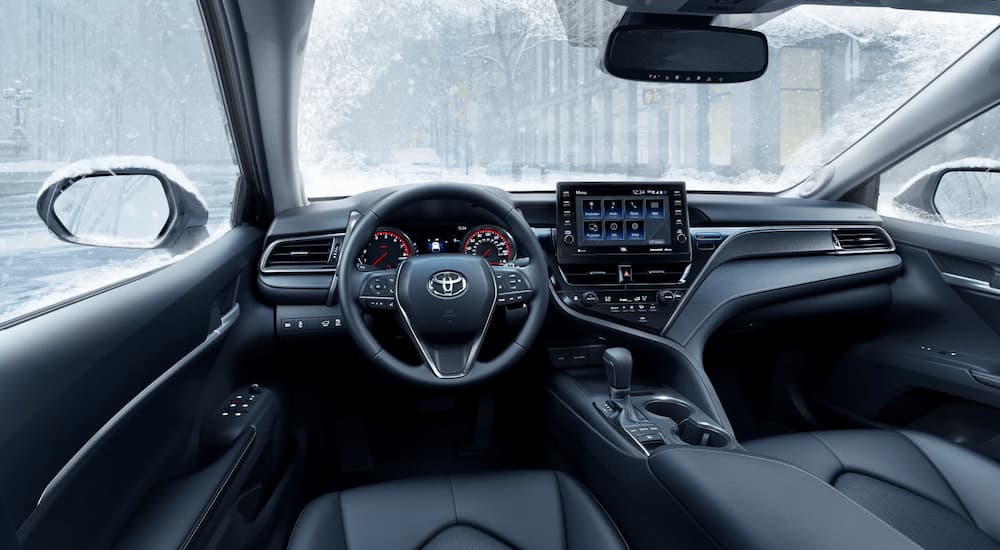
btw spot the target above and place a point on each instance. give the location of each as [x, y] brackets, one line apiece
[691, 261]
[390, 245]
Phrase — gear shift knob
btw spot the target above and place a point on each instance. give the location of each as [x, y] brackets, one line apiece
[618, 367]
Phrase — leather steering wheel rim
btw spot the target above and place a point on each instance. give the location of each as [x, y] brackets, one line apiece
[349, 279]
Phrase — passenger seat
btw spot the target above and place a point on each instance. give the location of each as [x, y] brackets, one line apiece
[940, 495]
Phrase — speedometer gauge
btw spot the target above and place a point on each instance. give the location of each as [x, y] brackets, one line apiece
[385, 250]
[491, 243]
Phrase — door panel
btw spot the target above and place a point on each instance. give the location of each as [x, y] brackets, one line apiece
[934, 366]
[105, 399]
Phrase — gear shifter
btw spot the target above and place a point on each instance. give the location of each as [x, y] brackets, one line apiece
[618, 367]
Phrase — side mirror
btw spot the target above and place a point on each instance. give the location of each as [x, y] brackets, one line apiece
[961, 196]
[123, 202]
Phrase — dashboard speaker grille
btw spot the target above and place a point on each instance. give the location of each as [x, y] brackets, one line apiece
[862, 239]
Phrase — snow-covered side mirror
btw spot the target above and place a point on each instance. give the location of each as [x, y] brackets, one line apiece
[123, 202]
[964, 193]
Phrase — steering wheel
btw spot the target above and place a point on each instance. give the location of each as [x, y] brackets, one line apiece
[444, 302]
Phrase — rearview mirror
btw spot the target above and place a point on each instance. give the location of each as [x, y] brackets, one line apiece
[123, 202]
[651, 48]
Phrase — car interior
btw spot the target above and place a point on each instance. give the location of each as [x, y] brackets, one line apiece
[614, 362]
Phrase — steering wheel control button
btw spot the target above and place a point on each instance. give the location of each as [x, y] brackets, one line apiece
[386, 304]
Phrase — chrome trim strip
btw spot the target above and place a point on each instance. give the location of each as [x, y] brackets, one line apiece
[731, 234]
[476, 344]
[642, 448]
[270, 248]
[227, 322]
[969, 283]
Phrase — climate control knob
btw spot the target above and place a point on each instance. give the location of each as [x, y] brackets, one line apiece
[665, 296]
[589, 298]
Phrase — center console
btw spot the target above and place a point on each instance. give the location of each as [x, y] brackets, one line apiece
[623, 250]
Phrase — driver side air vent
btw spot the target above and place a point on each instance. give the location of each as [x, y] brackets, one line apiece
[862, 239]
[302, 255]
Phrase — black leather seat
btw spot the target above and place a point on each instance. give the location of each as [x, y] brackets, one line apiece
[938, 494]
[502, 510]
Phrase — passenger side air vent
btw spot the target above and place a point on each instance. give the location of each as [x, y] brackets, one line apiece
[302, 255]
[862, 239]
[657, 275]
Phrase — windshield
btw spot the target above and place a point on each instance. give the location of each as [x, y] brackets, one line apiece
[509, 93]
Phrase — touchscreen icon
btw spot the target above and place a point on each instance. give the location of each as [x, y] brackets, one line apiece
[613, 231]
[613, 210]
[592, 231]
[633, 209]
[654, 208]
[591, 209]
[636, 230]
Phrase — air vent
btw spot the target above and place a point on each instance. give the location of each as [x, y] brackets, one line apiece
[590, 274]
[607, 274]
[862, 239]
[307, 254]
[658, 275]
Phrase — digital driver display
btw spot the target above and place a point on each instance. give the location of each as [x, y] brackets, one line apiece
[614, 219]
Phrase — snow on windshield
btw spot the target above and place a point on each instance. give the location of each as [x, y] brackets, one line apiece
[509, 93]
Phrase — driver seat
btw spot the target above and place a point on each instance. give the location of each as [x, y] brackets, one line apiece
[493, 511]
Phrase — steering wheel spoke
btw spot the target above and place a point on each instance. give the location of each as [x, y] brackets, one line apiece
[513, 286]
[378, 291]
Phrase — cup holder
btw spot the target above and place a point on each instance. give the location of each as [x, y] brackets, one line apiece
[674, 410]
[693, 433]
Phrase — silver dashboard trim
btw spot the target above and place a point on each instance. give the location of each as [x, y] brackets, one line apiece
[969, 283]
[732, 233]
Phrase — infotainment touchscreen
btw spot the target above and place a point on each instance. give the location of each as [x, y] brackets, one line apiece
[615, 219]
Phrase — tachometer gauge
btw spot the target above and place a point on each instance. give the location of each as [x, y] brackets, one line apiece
[490, 242]
[385, 250]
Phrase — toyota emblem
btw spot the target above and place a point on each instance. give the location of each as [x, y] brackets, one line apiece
[448, 284]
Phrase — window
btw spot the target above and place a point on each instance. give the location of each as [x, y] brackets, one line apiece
[835, 72]
[801, 82]
[95, 78]
[954, 181]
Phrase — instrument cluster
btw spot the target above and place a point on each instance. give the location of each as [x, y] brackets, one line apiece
[389, 246]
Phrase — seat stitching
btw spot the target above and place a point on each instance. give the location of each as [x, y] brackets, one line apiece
[947, 483]
[343, 524]
[843, 468]
[562, 510]
[454, 501]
